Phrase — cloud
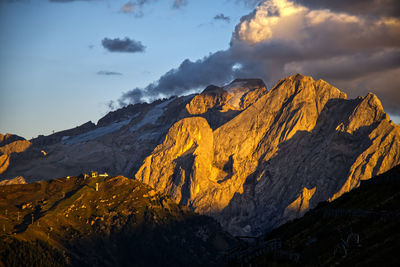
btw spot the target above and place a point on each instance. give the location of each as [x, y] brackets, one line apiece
[222, 17]
[249, 3]
[127, 8]
[282, 38]
[385, 84]
[108, 73]
[188, 76]
[123, 45]
[357, 7]
[178, 4]
[359, 52]
[135, 7]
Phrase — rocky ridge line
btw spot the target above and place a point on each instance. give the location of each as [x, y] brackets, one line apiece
[300, 143]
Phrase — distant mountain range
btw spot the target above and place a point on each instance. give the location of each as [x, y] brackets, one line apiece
[250, 157]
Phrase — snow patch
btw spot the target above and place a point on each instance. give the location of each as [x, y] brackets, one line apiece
[94, 134]
[237, 91]
[152, 115]
[233, 87]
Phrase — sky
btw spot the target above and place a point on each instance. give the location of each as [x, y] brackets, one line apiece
[65, 62]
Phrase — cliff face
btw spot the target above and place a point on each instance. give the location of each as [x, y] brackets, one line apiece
[298, 144]
[250, 157]
[10, 144]
[220, 104]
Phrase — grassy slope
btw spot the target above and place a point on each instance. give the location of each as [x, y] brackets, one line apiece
[125, 222]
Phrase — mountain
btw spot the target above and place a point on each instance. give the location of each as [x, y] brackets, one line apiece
[296, 145]
[360, 228]
[15, 180]
[10, 144]
[67, 221]
[250, 157]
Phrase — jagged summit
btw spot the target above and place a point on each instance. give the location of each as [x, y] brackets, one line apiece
[251, 157]
[220, 104]
[235, 96]
[289, 137]
[8, 138]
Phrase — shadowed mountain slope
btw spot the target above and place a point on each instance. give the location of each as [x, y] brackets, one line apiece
[360, 228]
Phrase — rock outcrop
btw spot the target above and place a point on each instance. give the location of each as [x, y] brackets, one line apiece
[16, 180]
[220, 104]
[7, 138]
[10, 144]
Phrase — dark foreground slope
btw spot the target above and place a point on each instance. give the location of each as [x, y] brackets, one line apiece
[125, 223]
[361, 228]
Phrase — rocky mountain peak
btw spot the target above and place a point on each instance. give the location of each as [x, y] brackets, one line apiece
[235, 96]
[278, 157]
[8, 138]
[11, 144]
[253, 158]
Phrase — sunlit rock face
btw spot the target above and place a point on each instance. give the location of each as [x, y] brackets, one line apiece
[298, 144]
[253, 158]
[10, 144]
[220, 104]
[300, 205]
[16, 180]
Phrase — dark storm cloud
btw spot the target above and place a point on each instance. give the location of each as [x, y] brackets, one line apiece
[136, 7]
[216, 68]
[123, 45]
[350, 66]
[360, 53]
[222, 17]
[384, 84]
[177, 4]
[357, 7]
[108, 73]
